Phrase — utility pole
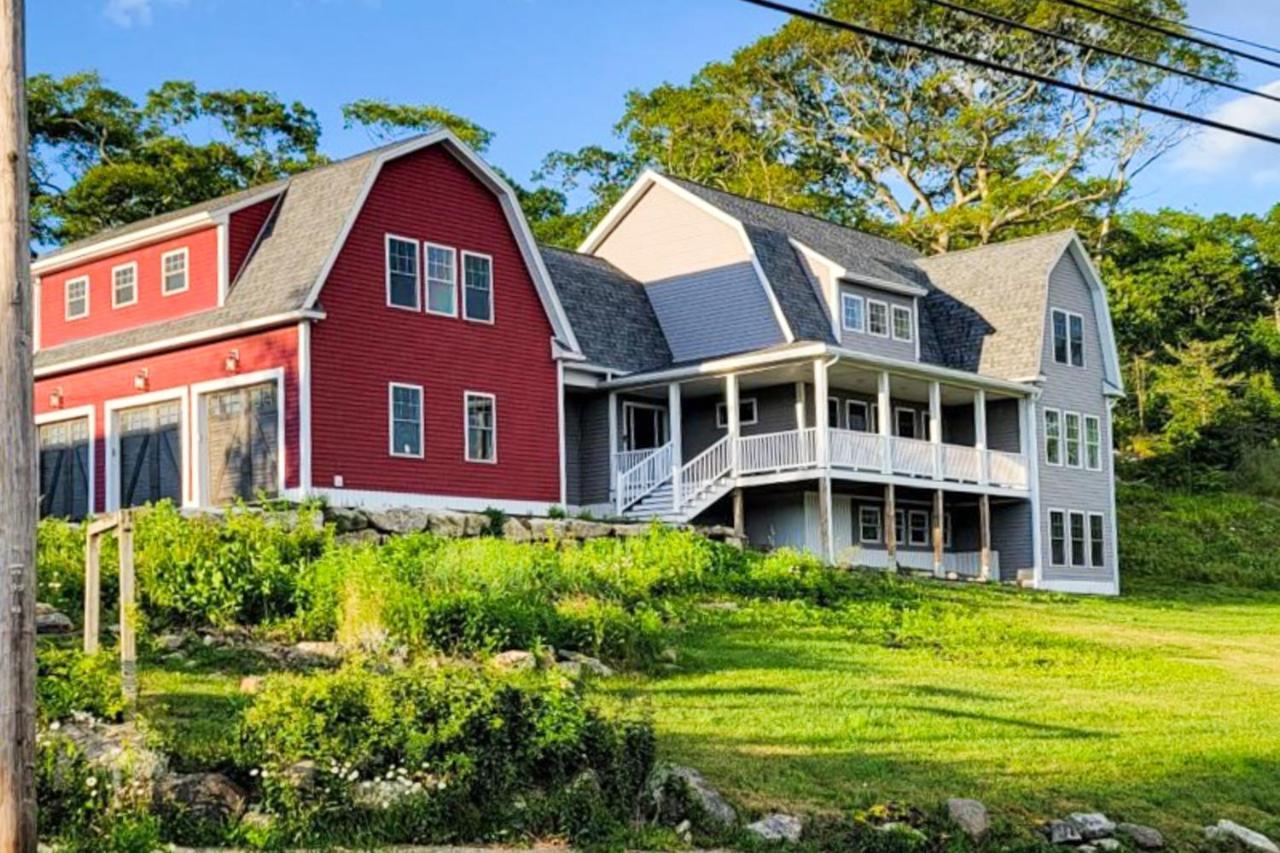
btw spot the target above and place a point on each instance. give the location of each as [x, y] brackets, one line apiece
[18, 457]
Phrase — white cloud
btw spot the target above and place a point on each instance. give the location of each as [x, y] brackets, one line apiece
[126, 13]
[1215, 152]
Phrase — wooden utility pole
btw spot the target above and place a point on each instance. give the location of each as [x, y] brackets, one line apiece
[18, 459]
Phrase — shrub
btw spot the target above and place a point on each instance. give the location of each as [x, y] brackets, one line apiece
[84, 809]
[69, 681]
[1258, 471]
[60, 566]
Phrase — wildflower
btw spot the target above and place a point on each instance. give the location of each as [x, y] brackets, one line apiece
[91, 782]
[54, 726]
[253, 772]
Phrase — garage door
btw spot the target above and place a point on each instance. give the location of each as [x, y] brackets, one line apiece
[243, 440]
[150, 454]
[64, 469]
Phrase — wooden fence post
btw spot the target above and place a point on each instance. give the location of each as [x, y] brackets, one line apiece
[128, 614]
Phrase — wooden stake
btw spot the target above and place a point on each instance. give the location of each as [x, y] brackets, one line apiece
[938, 517]
[128, 611]
[891, 526]
[92, 589]
[18, 473]
[984, 531]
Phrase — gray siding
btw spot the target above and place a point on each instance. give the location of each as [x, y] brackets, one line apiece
[865, 341]
[586, 438]
[1077, 389]
[1011, 536]
[775, 412]
[1003, 431]
[714, 312]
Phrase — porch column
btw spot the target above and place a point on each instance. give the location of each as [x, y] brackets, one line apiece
[984, 534]
[732, 410]
[885, 428]
[676, 430]
[825, 531]
[980, 433]
[821, 390]
[800, 406]
[613, 445]
[938, 516]
[935, 426]
[1031, 448]
[890, 526]
[739, 514]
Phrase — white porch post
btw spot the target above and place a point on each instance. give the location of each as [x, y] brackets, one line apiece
[732, 409]
[613, 452]
[980, 434]
[984, 534]
[800, 406]
[675, 429]
[935, 426]
[885, 412]
[1031, 450]
[821, 390]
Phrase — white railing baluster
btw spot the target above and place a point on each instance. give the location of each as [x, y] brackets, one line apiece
[650, 471]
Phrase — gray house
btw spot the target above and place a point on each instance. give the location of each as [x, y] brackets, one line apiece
[821, 388]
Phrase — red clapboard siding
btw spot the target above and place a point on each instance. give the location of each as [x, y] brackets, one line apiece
[151, 306]
[363, 345]
[98, 385]
[243, 228]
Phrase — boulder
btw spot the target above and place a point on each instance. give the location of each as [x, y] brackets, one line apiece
[316, 653]
[1063, 832]
[707, 802]
[51, 621]
[301, 776]
[399, 521]
[578, 528]
[585, 663]
[777, 827]
[516, 530]
[1231, 832]
[256, 821]
[452, 525]
[204, 796]
[625, 531]
[1092, 825]
[170, 642]
[118, 749]
[346, 520]
[1143, 837]
[969, 815]
[515, 660]
[547, 528]
[367, 536]
[476, 524]
[1108, 844]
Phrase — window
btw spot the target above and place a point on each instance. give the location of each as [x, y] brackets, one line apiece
[1096, 541]
[402, 273]
[852, 313]
[747, 413]
[1092, 443]
[869, 524]
[919, 527]
[77, 298]
[1072, 421]
[833, 412]
[1053, 436]
[406, 420]
[1077, 538]
[482, 429]
[1057, 537]
[905, 422]
[899, 526]
[1068, 338]
[902, 324]
[173, 272]
[645, 425]
[946, 530]
[877, 318]
[442, 281]
[124, 285]
[477, 279]
[858, 415]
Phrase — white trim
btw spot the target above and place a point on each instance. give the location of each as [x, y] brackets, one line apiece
[912, 515]
[1066, 440]
[115, 287]
[888, 325]
[1111, 480]
[391, 420]
[1084, 538]
[37, 292]
[304, 406]
[915, 425]
[110, 408]
[67, 316]
[723, 408]
[1080, 587]
[427, 246]
[1113, 378]
[1060, 437]
[466, 425]
[1089, 516]
[417, 271]
[224, 262]
[564, 467]
[879, 523]
[867, 417]
[1066, 537]
[1084, 441]
[861, 328]
[894, 311]
[882, 284]
[833, 400]
[115, 245]
[462, 289]
[390, 500]
[1032, 452]
[200, 480]
[1068, 317]
[186, 271]
[76, 413]
[629, 406]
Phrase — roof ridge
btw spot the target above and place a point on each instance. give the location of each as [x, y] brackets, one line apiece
[1024, 239]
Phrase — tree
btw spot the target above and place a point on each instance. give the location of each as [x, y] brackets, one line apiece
[937, 152]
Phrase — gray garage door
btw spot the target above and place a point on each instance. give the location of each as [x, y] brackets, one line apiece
[243, 440]
[64, 469]
[150, 454]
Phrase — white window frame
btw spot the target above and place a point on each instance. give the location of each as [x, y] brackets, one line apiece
[186, 272]
[900, 527]
[722, 413]
[467, 396]
[833, 423]
[417, 265]
[871, 303]
[493, 297]
[201, 475]
[1048, 457]
[391, 420]
[849, 406]
[845, 299]
[1102, 540]
[115, 288]
[66, 298]
[629, 409]
[913, 516]
[1094, 446]
[915, 425]
[1066, 538]
[894, 311]
[426, 278]
[864, 512]
[1066, 440]
[1068, 316]
[1084, 540]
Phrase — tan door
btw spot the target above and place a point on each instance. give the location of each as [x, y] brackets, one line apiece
[242, 443]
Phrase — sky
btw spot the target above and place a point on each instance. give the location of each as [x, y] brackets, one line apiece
[544, 74]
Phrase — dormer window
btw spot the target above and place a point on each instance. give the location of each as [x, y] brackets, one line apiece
[1068, 338]
[902, 323]
[852, 312]
[878, 318]
[124, 285]
[173, 271]
[77, 298]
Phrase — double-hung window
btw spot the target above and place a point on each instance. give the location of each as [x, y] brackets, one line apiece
[902, 323]
[899, 527]
[748, 413]
[905, 421]
[852, 313]
[402, 273]
[1053, 436]
[1092, 443]
[858, 415]
[1078, 538]
[482, 427]
[442, 280]
[173, 272]
[477, 287]
[1057, 537]
[77, 298]
[878, 318]
[919, 527]
[406, 420]
[1068, 338]
[124, 285]
[1071, 423]
[1097, 542]
[869, 524]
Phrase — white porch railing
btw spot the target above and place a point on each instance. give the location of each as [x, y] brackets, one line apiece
[703, 472]
[778, 451]
[961, 464]
[911, 456]
[644, 476]
[963, 563]
[861, 451]
[1007, 469]
[625, 460]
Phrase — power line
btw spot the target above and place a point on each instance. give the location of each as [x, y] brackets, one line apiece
[1168, 31]
[1150, 16]
[1106, 51]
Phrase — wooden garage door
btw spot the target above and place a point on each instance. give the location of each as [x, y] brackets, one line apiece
[243, 441]
[150, 453]
[64, 469]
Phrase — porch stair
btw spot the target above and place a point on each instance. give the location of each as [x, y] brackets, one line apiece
[703, 480]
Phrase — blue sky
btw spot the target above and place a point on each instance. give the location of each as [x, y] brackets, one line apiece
[542, 74]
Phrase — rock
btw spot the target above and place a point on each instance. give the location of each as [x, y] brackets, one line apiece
[625, 531]
[707, 801]
[257, 821]
[581, 529]
[904, 829]
[1092, 825]
[1063, 832]
[1143, 837]
[547, 528]
[516, 530]
[669, 655]
[314, 652]
[51, 621]
[1227, 830]
[476, 524]
[205, 796]
[1109, 844]
[685, 830]
[399, 521]
[585, 662]
[969, 815]
[118, 749]
[1087, 848]
[250, 685]
[345, 519]
[301, 776]
[170, 642]
[452, 525]
[515, 660]
[570, 668]
[367, 536]
[777, 827]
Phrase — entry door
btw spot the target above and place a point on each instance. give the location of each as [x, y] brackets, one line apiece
[150, 453]
[64, 469]
[646, 426]
[242, 443]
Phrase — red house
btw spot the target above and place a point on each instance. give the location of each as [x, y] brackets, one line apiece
[380, 331]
